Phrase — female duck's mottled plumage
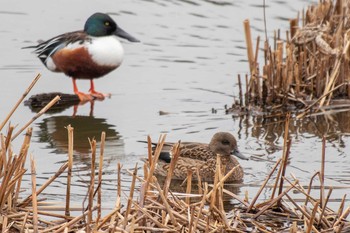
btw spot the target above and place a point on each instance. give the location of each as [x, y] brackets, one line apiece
[202, 157]
[88, 54]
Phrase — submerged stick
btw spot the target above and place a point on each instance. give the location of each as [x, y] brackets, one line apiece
[20, 101]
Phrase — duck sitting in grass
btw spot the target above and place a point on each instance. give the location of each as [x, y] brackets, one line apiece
[200, 158]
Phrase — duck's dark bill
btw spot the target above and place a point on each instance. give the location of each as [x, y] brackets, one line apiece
[239, 155]
[123, 34]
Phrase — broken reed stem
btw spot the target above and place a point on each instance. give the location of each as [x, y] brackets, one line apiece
[68, 225]
[8, 137]
[282, 168]
[249, 44]
[322, 202]
[189, 185]
[240, 90]
[100, 167]
[23, 154]
[311, 220]
[70, 130]
[213, 198]
[272, 202]
[167, 206]
[263, 185]
[130, 198]
[42, 111]
[223, 179]
[34, 197]
[20, 101]
[27, 201]
[154, 159]
[175, 151]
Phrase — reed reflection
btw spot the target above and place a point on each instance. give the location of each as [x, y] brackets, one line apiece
[270, 128]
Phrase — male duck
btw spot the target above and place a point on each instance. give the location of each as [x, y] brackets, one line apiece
[202, 157]
[87, 54]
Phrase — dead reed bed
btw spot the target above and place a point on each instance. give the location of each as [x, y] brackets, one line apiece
[307, 70]
[149, 206]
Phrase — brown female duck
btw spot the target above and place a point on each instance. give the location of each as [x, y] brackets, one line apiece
[202, 157]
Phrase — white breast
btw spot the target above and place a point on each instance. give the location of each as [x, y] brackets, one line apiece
[106, 51]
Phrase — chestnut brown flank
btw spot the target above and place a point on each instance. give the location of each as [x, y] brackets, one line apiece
[77, 63]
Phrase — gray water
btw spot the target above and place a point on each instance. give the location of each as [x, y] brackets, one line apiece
[186, 65]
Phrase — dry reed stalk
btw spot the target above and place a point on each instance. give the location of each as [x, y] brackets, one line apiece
[70, 130]
[150, 217]
[167, 206]
[23, 154]
[8, 137]
[20, 101]
[202, 203]
[310, 187]
[100, 167]
[311, 220]
[24, 223]
[304, 213]
[9, 172]
[240, 90]
[71, 223]
[130, 198]
[189, 186]
[92, 184]
[27, 200]
[153, 165]
[249, 44]
[323, 161]
[272, 202]
[342, 217]
[220, 182]
[149, 143]
[34, 199]
[328, 224]
[175, 151]
[3, 156]
[42, 111]
[282, 168]
[213, 193]
[263, 185]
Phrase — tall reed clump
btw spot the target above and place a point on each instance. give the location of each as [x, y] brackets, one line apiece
[309, 69]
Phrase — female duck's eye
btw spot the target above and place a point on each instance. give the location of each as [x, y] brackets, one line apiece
[225, 142]
[107, 23]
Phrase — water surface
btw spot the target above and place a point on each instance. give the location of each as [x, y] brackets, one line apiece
[186, 66]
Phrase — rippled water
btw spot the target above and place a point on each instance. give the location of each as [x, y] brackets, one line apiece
[186, 66]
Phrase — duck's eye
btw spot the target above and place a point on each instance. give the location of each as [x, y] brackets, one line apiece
[107, 23]
[225, 142]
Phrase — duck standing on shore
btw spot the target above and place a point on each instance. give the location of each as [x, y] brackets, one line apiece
[88, 54]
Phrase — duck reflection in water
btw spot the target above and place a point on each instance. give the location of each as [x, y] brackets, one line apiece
[53, 132]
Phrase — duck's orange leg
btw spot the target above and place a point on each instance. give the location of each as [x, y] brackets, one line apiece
[82, 96]
[94, 93]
